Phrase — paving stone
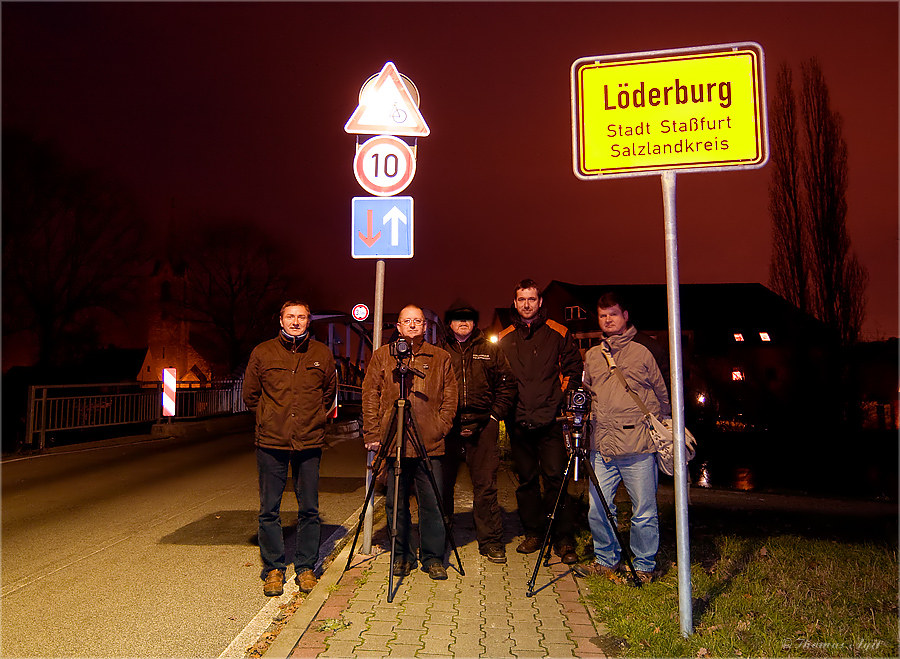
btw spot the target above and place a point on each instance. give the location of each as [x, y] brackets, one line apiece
[408, 637]
[557, 650]
[404, 651]
[336, 648]
[438, 646]
[374, 642]
[555, 636]
[412, 621]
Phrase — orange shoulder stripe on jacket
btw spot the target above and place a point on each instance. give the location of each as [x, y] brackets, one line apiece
[559, 327]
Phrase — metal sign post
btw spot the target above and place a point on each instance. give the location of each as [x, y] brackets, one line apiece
[682, 538]
[378, 320]
[688, 110]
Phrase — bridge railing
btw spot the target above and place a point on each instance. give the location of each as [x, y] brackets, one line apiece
[62, 407]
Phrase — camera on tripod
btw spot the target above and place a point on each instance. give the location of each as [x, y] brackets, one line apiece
[401, 348]
[578, 403]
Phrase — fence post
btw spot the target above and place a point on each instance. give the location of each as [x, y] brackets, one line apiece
[29, 418]
[43, 441]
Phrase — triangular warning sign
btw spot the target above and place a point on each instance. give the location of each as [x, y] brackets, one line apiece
[387, 108]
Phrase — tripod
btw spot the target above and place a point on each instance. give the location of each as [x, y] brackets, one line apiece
[577, 454]
[402, 425]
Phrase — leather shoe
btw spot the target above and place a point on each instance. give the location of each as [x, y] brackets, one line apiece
[437, 571]
[594, 569]
[494, 553]
[529, 545]
[306, 580]
[567, 554]
[402, 568]
[274, 585]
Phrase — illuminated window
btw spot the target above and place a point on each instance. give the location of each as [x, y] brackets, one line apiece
[737, 375]
[575, 313]
[765, 336]
[738, 337]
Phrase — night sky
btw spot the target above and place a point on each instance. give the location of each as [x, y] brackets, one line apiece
[239, 109]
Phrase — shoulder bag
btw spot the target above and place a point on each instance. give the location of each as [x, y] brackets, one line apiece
[660, 432]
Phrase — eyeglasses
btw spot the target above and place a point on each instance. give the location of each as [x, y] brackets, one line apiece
[414, 322]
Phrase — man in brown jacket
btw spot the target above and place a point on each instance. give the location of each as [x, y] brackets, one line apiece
[290, 383]
[432, 401]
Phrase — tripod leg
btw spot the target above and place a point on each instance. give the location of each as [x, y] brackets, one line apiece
[376, 465]
[429, 469]
[545, 546]
[626, 551]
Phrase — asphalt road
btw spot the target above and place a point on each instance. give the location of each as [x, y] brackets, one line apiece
[145, 549]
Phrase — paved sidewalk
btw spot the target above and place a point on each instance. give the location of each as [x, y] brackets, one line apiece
[484, 613]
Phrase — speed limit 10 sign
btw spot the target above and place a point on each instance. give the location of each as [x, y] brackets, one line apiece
[384, 165]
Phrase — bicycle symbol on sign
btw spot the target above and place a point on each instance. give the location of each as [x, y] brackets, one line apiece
[398, 115]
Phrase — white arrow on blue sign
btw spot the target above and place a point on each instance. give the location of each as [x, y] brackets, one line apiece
[382, 228]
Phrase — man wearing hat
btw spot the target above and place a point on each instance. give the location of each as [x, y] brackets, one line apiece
[487, 388]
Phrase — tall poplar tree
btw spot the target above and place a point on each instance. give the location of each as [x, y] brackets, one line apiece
[812, 262]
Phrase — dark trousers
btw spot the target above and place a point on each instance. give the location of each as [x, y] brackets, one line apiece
[483, 459]
[540, 458]
[413, 476]
[272, 466]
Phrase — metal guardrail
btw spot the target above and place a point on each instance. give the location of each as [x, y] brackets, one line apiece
[59, 407]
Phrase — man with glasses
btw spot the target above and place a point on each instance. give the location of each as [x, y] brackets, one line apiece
[289, 384]
[432, 401]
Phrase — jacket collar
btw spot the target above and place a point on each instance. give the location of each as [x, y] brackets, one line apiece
[618, 341]
[524, 327]
[476, 337]
[293, 344]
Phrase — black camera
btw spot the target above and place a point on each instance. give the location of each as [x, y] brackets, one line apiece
[578, 401]
[401, 349]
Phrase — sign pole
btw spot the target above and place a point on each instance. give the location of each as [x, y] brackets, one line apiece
[378, 322]
[683, 550]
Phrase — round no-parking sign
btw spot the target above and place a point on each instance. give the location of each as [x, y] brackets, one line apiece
[360, 312]
[384, 165]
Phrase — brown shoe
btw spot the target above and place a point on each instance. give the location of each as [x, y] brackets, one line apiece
[529, 545]
[596, 570]
[306, 580]
[494, 553]
[645, 577]
[567, 554]
[274, 585]
[437, 571]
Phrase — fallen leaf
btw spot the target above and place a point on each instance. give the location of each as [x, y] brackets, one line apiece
[702, 652]
[763, 552]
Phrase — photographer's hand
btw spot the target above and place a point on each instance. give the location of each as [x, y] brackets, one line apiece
[373, 446]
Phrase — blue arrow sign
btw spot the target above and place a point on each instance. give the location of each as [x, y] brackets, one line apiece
[382, 228]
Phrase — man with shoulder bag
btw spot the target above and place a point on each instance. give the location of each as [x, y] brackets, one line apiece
[622, 445]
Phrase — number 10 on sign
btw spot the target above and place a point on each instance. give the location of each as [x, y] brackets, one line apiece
[384, 165]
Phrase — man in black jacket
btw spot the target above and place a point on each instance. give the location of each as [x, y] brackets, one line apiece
[487, 388]
[545, 361]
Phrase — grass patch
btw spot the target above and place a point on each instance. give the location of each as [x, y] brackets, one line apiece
[772, 596]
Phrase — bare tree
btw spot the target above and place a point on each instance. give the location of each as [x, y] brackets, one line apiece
[235, 282]
[839, 280]
[790, 249]
[72, 248]
[812, 263]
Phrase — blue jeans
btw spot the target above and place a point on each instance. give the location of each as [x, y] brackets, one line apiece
[639, 473]
[432, 537]
[272, 465]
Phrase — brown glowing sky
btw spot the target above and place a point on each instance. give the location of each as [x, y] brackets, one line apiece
[239, 108]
